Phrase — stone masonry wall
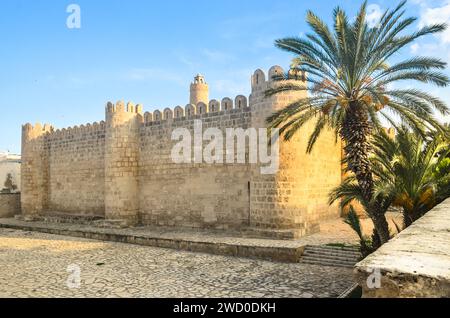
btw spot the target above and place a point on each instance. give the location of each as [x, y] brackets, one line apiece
[196, 194]
[76, 170]
[9, 204]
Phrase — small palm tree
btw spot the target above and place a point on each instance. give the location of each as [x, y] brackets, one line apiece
[442, 175]
[413, 171]
[447, 133]
[442, 171]
[349, 81]
[366, 245]
[409, 172]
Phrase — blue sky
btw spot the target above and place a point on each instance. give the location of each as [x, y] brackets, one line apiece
[148, 52]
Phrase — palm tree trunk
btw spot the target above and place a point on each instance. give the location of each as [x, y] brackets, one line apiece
[407, 218]
[380, 222]
[355, 133]
[411, 215]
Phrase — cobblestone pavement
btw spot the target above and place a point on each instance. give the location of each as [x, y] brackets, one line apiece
[36, 265]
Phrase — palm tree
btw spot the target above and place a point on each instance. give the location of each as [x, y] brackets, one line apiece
[349, 191]
[349, 81]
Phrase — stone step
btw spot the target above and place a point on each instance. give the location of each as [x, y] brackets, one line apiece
[191, 241]
[324, 263]
[330, 257]
[333, 253]
[111, 224]
[334, 248]
[327, 262]
[319, 252]
[339, 264]
[324, 256]
[326, 253]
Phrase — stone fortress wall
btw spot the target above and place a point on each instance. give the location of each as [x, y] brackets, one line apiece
[121, 169]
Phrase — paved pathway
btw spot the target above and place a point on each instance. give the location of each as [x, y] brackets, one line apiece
[36, 265]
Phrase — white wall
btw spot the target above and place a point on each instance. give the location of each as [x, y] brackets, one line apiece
[10, 164]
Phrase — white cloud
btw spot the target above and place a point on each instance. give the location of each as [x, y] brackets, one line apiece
[253, 25]
[186, 60]
[231, 83]
[144, 74]
[435, 15]
[420, 2]
[432, 12]
[217, 56]
[264, 42]
[229, 87]
[196, 59]
[427, 3]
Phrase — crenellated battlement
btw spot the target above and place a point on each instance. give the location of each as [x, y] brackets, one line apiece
[259, 79]
[50, 130]
[37, 128]
[259, 82]
[120, 106]
[82, 129]
[190, 110]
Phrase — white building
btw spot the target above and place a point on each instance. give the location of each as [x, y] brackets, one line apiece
[9, 164]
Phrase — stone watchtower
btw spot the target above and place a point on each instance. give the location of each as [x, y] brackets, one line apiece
[292, 202]
[34, 169]
[121, 162]
[199, 91]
